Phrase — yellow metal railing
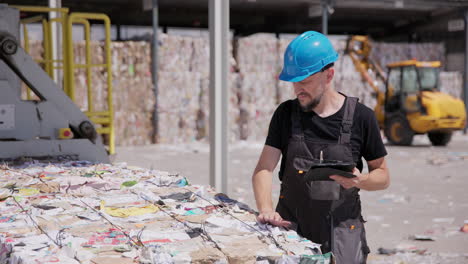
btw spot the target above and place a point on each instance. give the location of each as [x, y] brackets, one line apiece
[103, 118]
[49, 64]
[67, 64]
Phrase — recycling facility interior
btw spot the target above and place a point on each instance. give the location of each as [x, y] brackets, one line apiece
[183, 110]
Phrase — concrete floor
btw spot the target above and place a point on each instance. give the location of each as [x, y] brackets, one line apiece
[423, 199]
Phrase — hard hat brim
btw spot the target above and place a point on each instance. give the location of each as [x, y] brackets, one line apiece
[284, 76]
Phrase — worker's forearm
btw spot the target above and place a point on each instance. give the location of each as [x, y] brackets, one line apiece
[261, 181]
[377, 179]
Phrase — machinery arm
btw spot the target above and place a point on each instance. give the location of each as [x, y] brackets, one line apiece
[358, 48]
[44, 87]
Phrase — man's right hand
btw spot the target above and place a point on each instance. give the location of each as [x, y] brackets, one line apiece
[272, 218]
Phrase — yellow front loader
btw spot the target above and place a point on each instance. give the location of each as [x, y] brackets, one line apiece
[412, 102]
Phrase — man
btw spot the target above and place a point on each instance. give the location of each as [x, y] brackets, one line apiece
[320, 126]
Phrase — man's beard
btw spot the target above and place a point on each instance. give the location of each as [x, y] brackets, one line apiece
[312, 104]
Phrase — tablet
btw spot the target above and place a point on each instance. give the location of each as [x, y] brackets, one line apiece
[322, 171]
[323, 174]
[335, 164]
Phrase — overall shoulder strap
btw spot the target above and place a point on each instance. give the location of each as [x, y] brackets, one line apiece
[347, 122]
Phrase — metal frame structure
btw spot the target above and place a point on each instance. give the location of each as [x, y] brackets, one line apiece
[51, 64]
[67, 63]
[104, 118]
[51, 127]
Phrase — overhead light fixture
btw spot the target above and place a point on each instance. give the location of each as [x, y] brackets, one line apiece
[314, 11]
[399, 3]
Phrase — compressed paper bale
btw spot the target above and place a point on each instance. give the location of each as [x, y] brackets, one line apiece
[285, 91]
[133, 128]
[339, 43]
[179, 105]
[451, 83]
[257, 103]
[257, 61]
[203, 124]
[200, 57]
[206, 255]
[385, 53]
[199, 64]
[257, 53]
[282, 46]
[233, 108]
[111, 260]
[133, 94]
[175, 53]
[244, 250]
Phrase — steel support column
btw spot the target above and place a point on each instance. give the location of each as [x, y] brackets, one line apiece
[325, 17]
[154, 72]
[56, 37]
[219, 68]
[465, 75]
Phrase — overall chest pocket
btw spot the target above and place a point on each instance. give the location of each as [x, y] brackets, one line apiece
[315, 187]
[330, 151]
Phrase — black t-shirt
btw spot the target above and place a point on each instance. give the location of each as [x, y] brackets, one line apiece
[366, 140]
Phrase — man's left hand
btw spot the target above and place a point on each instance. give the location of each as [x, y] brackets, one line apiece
[350, 182]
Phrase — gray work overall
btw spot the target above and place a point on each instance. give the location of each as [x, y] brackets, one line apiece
[325, 212]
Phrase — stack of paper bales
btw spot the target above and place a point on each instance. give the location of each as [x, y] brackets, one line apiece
[285, 89]
[451, 83]
[257, 62]
[201, 63]
[183, 81]
[385, 53]
[178, 106]
[133, 92]
[80, 212]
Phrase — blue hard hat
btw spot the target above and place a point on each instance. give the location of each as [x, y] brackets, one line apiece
[307, 54]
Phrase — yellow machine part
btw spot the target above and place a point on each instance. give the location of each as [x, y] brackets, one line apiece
[432, 64]
[444, 112]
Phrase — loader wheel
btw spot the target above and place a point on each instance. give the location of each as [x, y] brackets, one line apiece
[398, 131]
[439, 138]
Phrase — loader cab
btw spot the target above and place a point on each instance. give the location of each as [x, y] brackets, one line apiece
[406, 80]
